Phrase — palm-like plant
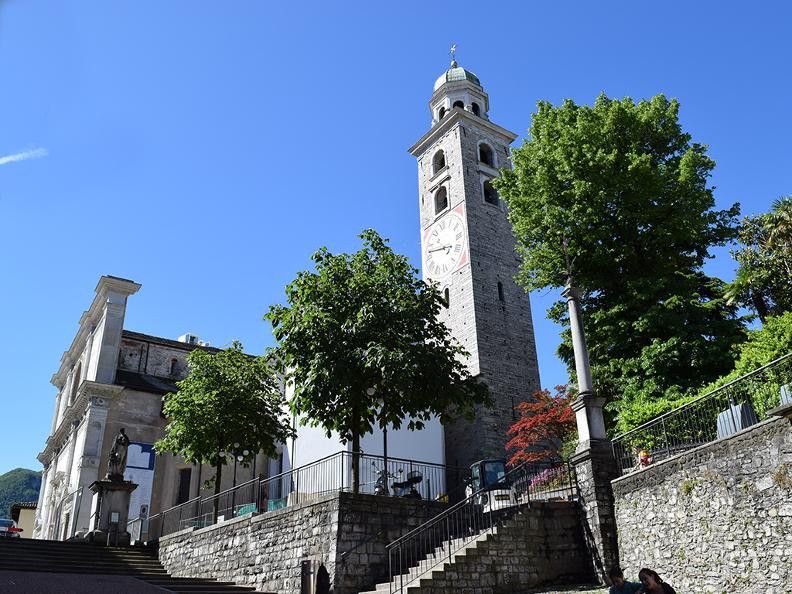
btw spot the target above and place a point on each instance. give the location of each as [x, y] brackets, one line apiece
[764, 276]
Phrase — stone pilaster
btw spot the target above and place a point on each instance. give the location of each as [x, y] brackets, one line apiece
[595, 468]
[89, 466]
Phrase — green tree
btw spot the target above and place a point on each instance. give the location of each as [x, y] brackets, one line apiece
[764, 276]
[615, 196]
[762, 346]
[17, 486]
[227, 397]
[361, 342]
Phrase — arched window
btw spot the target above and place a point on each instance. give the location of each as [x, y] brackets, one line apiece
[501, 298]
[438, 161]
[447, 298]
[485, 155]
[441, 200]
[490, 193]
[75, 383]
[440, 113]
[174, 367]
[459, 104]
[476, 109]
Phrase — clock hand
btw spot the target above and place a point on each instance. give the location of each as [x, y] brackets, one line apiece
[442, 247]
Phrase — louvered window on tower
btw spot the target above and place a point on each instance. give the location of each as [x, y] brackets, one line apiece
[441, 200]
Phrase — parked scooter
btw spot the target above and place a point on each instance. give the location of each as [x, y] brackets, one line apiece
[404, 488]
[407, 488]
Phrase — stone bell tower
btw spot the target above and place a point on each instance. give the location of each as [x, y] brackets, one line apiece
[468, 249]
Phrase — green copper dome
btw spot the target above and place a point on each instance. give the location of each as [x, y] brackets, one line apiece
[455, 73]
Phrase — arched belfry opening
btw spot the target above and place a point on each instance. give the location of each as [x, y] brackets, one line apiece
[438, 161]
[459, 104]
[475, 109]
[486, 155]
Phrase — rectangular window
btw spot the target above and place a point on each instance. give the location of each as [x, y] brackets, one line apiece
[185, 475]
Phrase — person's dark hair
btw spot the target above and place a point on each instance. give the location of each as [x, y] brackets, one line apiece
[650, 573]
[615, 572]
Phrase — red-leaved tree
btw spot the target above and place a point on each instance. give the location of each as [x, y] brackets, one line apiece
[544, 424]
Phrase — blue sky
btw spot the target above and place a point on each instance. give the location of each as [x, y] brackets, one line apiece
[205, 149]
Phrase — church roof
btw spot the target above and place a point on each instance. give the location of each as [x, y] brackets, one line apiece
[456, 73]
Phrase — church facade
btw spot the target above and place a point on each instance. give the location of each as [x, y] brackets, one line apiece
[112, 378]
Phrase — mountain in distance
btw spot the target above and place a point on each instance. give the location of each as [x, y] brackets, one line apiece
[18, 485]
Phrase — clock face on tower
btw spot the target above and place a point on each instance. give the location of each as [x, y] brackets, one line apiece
[444, 245]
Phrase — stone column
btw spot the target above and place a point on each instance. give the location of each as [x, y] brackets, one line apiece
[594, 464]
[38, 532]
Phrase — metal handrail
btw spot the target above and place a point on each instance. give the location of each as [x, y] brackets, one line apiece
[441, 516]
[702, 397]
[734, 406]
[319, 477]
[459, 527]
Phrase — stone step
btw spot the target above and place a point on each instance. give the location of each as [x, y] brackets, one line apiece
[83, 558]
[437, 561]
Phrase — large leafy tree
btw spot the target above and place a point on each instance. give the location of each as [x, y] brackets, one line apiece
[614, 196]
[361, 342]
[227, 398]
[764, 276]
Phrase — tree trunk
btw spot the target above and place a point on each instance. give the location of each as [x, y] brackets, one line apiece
[216, 500]
[355, 461]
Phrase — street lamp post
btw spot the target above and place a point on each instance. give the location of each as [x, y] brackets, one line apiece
[239, 453]
[383, 422]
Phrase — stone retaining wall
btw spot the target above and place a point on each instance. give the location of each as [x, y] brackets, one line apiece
[346, 533]
[715, 519]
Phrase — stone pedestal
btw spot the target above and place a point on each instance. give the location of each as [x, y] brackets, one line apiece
[109, 512]
[595, 468]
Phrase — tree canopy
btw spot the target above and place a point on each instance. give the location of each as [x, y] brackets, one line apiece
[227, 398]
[361, 342]
[764, 276]
[615, 196]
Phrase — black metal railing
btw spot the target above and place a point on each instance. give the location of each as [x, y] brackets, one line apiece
[59, 531]
[299, 485]
[730, 408]
[434, 542]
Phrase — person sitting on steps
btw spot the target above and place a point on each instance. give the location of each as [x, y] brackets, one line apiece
[653, 584]
[619, 585]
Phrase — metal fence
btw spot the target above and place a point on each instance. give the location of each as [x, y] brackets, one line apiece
[435, 541]
[730, 408]
[299, 485]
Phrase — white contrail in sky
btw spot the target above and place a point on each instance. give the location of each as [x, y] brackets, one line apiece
[24, 155]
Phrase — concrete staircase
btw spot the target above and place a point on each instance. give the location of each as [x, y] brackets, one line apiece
[538, 545]
[49, 556]
[435, 563]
